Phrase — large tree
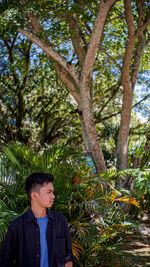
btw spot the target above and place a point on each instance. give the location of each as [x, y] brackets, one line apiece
[72, 34]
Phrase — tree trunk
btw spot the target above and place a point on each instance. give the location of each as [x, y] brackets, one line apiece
[122, 140]
[89, 133]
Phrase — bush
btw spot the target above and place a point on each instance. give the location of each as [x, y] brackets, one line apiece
[90, 202]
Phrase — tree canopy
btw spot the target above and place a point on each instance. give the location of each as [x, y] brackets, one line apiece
[97, 49]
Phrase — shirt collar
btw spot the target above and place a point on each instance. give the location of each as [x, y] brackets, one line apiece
[31, 217]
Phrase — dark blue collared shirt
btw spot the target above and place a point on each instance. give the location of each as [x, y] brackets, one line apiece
[21, 247]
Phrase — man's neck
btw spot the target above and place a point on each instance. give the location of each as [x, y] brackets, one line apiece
[38, 212]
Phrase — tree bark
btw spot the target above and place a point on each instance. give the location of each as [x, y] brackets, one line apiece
[122, 140]
[90, 136]
[133, 53]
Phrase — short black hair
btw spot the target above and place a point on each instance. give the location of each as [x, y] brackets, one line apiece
[37, 179]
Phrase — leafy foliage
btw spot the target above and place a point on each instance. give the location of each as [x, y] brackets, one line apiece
[92, 206]
[35, 106]
[48, 112]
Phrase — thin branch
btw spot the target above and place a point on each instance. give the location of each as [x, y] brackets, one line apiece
[139, 102]
[89, 30]
[117, 113]
[76, 39]
[109, 116]
[14, 40]
[109, 99]
[114, 61]
[27, 66]
[11, 59]
[114, 90]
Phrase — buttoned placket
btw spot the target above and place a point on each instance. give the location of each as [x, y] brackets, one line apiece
[50, 240]
[37, 240]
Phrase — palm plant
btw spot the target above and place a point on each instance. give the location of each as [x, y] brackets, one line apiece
[90, 203]
[17, 162]
[12, 197]
[98, 222]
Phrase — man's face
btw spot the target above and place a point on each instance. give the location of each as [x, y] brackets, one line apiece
[45, 197]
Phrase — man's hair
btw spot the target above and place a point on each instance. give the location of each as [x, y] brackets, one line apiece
[36, 180]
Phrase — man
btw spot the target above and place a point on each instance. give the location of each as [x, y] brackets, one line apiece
[40, 237]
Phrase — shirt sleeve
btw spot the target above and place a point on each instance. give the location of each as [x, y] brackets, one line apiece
[68, 244]
[7, 253]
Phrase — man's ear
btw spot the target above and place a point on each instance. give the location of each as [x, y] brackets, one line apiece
[34, 195]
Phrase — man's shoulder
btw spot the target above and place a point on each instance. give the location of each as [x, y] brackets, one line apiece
[57, 215]
[59, 220]
[19, 219]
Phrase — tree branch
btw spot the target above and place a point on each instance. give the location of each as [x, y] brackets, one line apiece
[139, 102]
[14, 40]
[97, 32]
[51, 53]
[114, 91]
[117, 113]
[63, 75]
[141, 36]
[27, 65]
[130, 43]
[76, 39]
[34, 24]
[10, 54]
[109, 116]
[137, 59]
